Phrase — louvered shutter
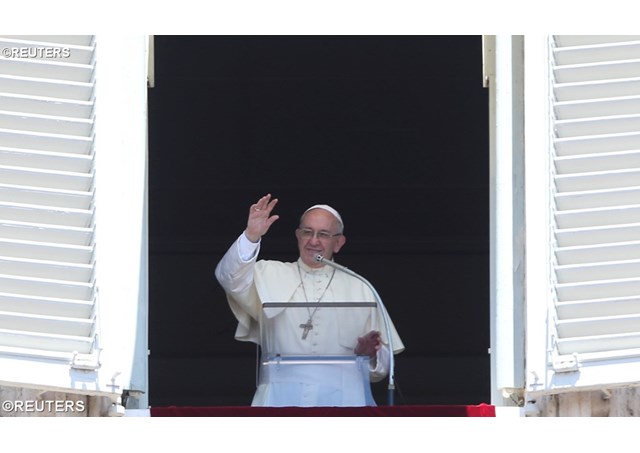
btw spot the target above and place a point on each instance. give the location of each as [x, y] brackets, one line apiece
[47, 282]
[73, 218]
[595, 202]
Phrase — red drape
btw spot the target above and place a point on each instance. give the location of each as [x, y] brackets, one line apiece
[480, 410]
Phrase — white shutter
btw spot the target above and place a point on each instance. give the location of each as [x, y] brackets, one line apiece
[595, 82]
[47, 285]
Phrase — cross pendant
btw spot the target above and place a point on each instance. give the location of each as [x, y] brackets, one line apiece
[307, 327]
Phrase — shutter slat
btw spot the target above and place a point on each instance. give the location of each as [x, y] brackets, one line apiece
[581, 91]
[31, 158]
[45, 123]
[57, 325]
[598, 180]
[36, 177]
[591, 108]
[46, 306]
[597, 71]
[599, 52]
[598, 217]
[57, 270]
[46, 69]
[55, 107]
[601, 252]
[45, 342]
[38, 49]
[600, 289]
[615, 124]
[567, 146]
[46, 251]
[601, 343]
[571, 237]
[598, 198]
[588, 40]
[75, 40]
[66, 90]
[606, 325]
[588, 272]
[41, 232]
[587, 163]
[40, 287]
[46, 197]
[586, 199]
[596, 308]
[45, 142]
[81, 218]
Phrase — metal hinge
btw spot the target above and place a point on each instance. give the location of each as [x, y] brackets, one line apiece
[86, 362]
[566, 363]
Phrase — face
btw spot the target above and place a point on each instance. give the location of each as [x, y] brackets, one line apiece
[318, 220]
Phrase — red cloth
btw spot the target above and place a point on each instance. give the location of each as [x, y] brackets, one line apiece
[480, 410]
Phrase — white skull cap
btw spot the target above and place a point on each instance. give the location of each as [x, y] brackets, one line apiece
[328, 209]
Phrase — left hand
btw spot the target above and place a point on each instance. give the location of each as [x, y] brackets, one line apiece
[369, 344]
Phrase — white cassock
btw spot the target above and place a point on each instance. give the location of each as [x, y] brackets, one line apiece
[250, 283]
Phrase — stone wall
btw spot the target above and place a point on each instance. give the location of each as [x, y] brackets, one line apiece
[620, 402]
[26, 402]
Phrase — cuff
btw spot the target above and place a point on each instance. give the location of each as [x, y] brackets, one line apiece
[246, 248]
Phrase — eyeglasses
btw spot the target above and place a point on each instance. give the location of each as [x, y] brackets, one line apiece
[308, 233]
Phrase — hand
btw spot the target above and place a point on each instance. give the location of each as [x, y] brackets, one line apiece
[369, 344]
[260, 218]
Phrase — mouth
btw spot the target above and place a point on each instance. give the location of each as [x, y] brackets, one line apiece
[314, 251]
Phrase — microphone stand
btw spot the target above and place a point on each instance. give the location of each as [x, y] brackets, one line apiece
[385, 317]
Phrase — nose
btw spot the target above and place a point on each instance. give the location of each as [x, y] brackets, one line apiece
[314, 239]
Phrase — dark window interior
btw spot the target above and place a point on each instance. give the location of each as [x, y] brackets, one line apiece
[390, 130]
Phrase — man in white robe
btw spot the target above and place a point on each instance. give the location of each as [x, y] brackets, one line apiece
[303, 331]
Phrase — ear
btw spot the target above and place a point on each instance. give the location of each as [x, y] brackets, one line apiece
[339, 243]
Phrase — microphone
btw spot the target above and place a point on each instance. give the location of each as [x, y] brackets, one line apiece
[390, 393]
[321, 259]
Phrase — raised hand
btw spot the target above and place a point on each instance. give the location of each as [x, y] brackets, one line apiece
[260, 218]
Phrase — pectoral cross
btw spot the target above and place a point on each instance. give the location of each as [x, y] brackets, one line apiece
[307, 327]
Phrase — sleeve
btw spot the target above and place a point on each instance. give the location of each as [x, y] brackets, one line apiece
[379, 367]
[235, 273]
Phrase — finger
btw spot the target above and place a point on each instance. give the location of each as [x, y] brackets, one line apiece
[271, 220]
[261, 203]
[271, 204]
[374, 334]
[265, 205]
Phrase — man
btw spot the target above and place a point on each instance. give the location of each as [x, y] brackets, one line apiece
[307, 332]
